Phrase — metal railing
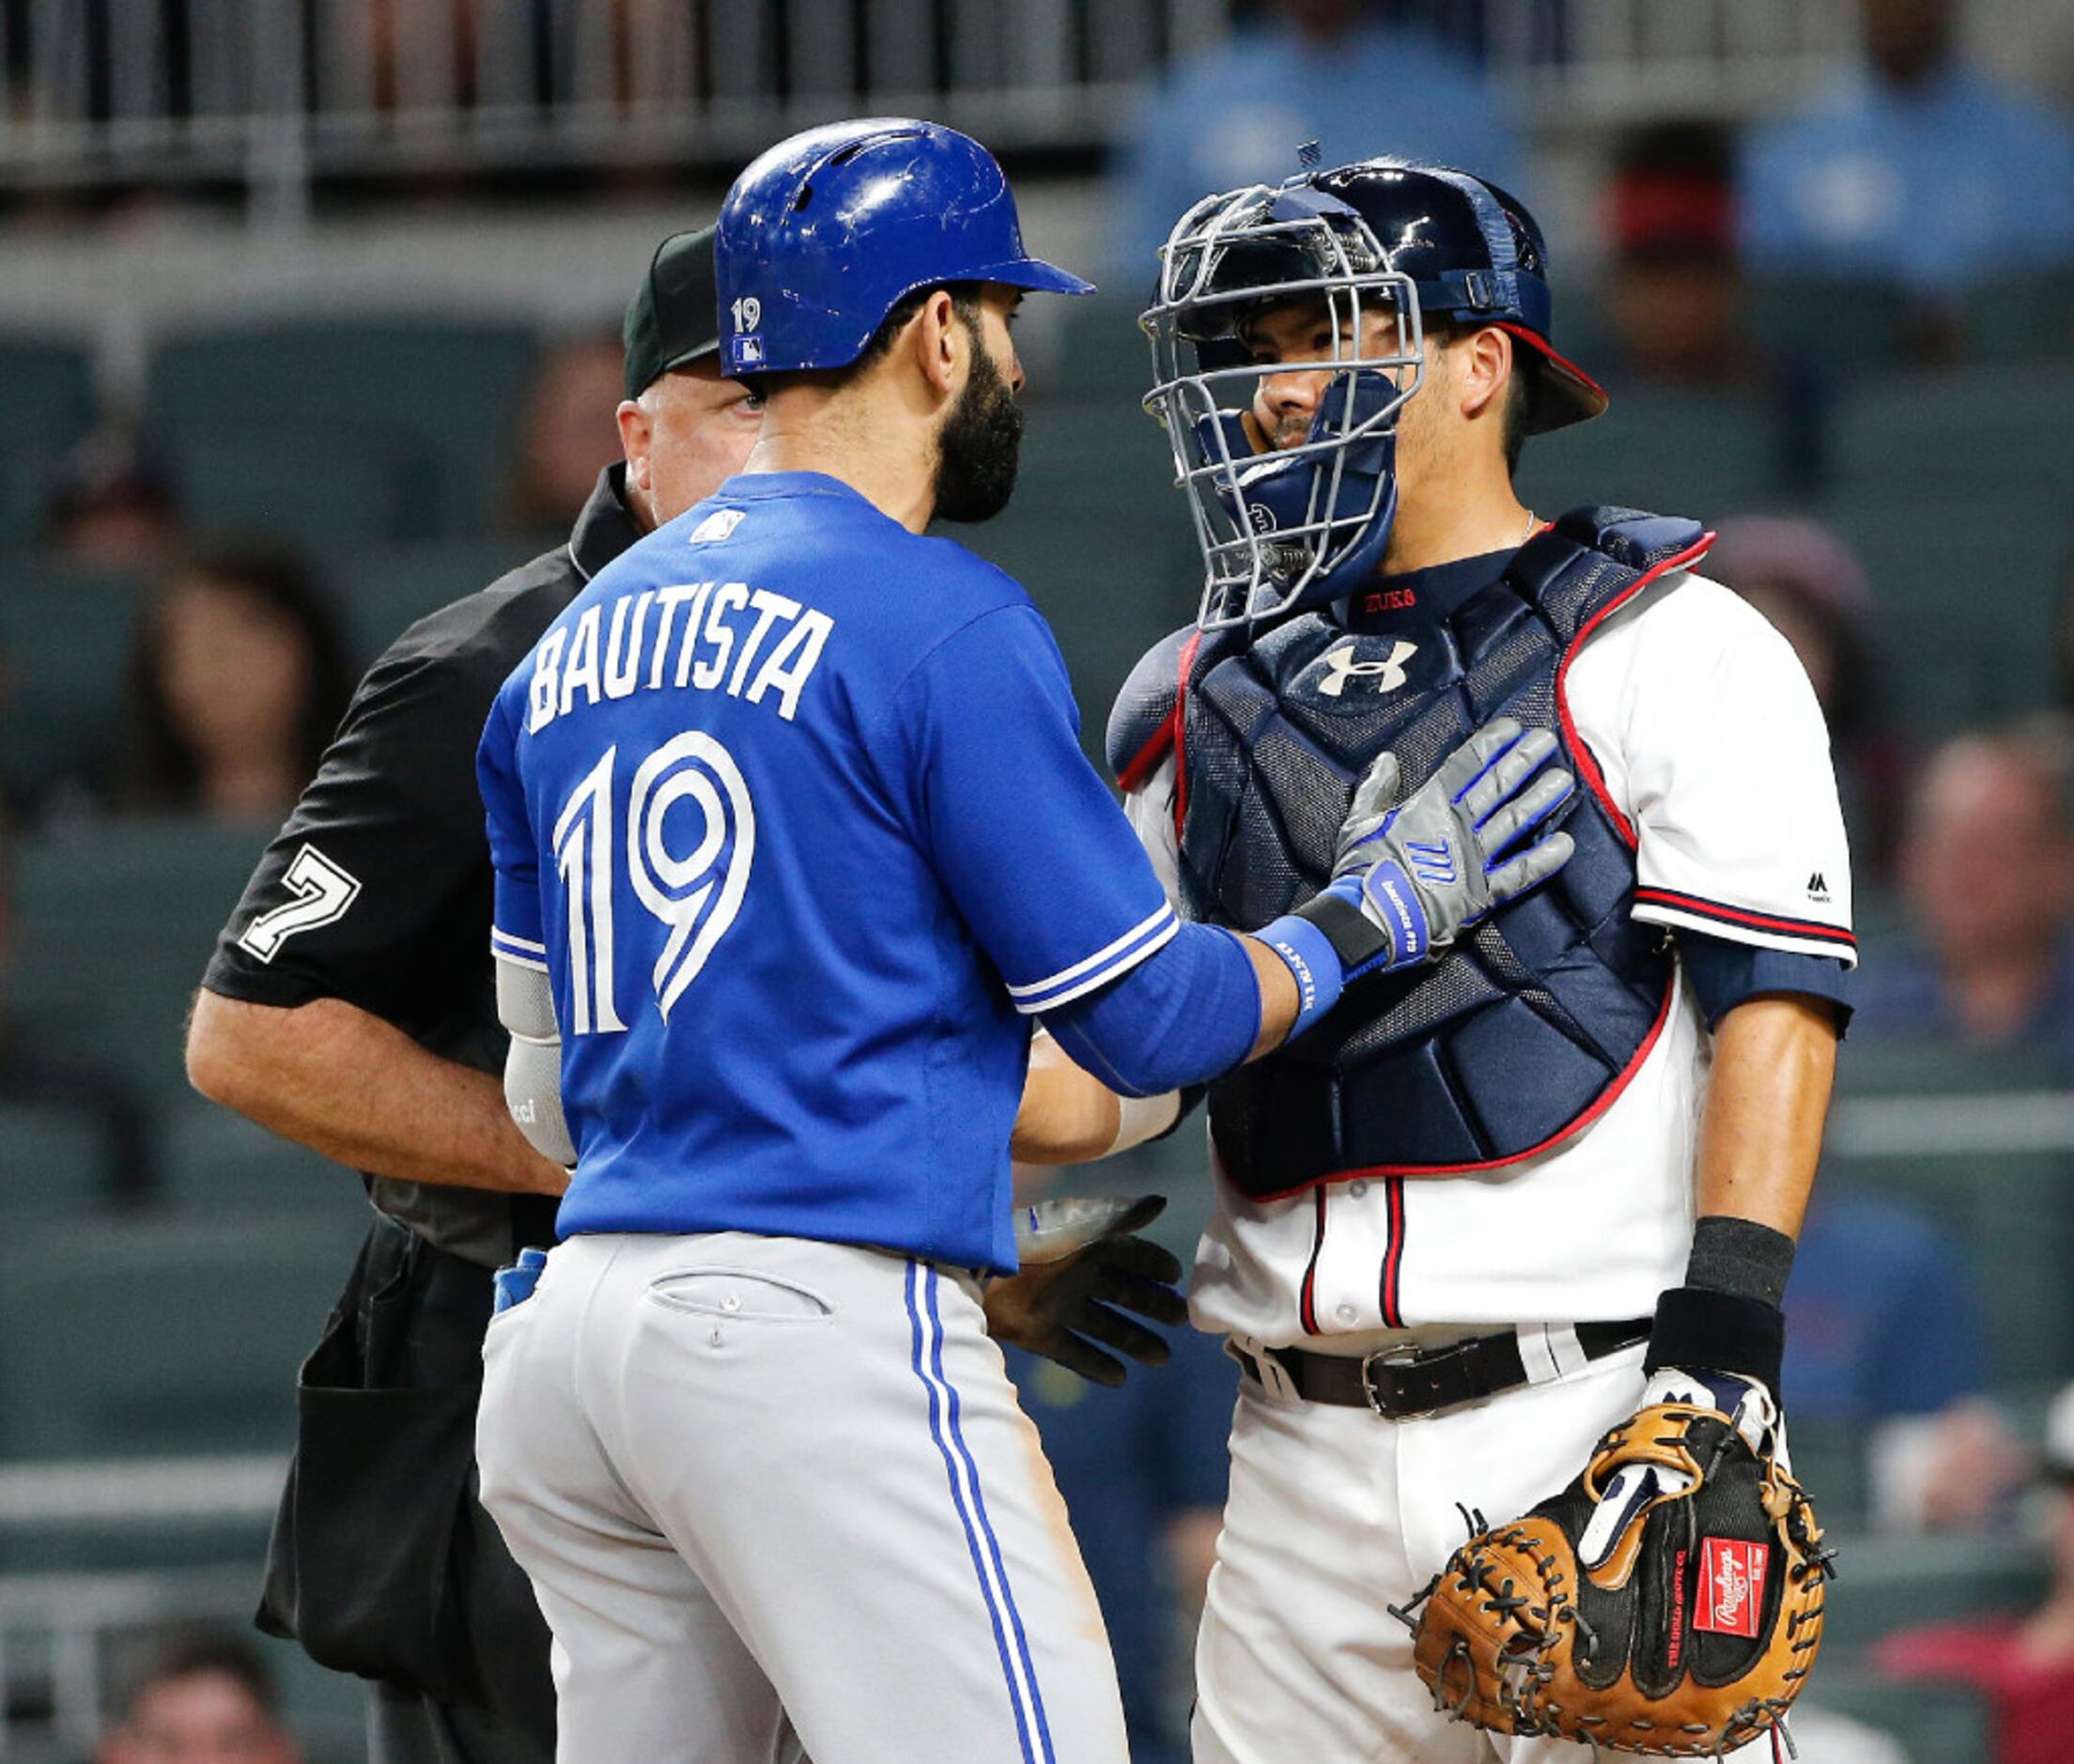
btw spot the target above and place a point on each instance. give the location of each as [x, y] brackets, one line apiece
[271, 93]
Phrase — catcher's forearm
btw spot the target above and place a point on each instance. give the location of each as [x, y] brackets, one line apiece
[1761, 1130]
[1761, 1134]
[343, 1082]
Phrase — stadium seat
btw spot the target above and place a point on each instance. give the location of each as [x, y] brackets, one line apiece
[49, 393]
[65, 640]
[116, 922]
[447, 391]
[1883, 1585]
[1099, 357]
[55, 1161]
[214, 1164]
[1996, 432]
[156, 1337]
[1862, 324]
[326, 488]
[2008, 1212]
[1966, 588]
[1700, 453]
[1934, 1724]
[2020, 317]
[384, 592]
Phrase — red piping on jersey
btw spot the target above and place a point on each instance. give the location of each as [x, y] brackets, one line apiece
[1308, 1303]
[1735, 915]
[1605, 1101]
[1393, 1257]
[1187, 667]
[1587, 768]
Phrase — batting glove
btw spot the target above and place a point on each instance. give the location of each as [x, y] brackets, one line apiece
[1410, 877]
[1083, 1272]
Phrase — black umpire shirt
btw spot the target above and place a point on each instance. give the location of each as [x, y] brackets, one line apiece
[391, 909]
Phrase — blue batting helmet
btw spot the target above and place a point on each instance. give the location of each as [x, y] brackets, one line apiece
[827, 232]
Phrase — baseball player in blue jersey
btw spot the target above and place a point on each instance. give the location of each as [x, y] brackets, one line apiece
[793, 841]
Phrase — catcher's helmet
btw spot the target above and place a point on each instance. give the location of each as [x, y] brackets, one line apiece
[1477, 257]
[1381, 238]
[826, 233]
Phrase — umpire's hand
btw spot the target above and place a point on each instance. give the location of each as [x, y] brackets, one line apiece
[1082, 1270]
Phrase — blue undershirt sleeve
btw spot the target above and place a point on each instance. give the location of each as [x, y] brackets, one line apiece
[1188, 1013]
[1724, 974]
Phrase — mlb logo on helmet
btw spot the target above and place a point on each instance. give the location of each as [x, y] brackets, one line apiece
[1731, 1586]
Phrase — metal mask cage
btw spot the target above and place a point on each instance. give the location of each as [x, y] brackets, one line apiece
[1230, 257]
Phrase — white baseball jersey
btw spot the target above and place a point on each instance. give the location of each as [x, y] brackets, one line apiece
[1713, 749]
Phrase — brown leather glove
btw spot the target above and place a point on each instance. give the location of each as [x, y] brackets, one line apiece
[1668, 1602]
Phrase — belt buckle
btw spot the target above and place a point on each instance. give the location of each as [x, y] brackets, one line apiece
[1408, 1354]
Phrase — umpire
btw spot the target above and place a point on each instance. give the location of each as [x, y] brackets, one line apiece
[350, 1005]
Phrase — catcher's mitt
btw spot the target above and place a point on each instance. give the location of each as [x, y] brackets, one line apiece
[1668, 1602]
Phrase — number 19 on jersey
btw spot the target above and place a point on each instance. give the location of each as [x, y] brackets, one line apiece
[690, 838]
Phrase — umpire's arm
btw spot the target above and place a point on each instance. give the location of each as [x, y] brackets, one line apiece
[364, 936]
[343, 1082]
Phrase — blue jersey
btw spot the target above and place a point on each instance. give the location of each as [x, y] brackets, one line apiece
[789, 805]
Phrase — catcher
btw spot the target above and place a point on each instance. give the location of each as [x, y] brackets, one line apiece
[1523, 1220]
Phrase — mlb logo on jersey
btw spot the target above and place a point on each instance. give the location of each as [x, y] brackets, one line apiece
[1731, 1586]
[719, 524]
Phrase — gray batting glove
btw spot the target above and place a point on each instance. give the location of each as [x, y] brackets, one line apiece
[1410, 877]
[1086, 1277]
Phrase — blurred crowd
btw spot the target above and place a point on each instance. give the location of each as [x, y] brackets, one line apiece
[1922, 189]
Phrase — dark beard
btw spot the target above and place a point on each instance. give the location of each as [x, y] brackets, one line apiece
[977, 451]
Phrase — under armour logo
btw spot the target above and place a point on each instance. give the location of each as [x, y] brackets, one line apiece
[1388, 674]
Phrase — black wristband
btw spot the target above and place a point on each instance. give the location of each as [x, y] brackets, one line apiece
[1721, 1332]
[1354, 940]
[1740, 1257]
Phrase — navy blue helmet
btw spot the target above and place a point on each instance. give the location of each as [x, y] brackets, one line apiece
[827, 232]
[1476, 256]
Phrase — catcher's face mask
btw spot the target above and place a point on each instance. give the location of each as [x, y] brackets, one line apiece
[1297, 526]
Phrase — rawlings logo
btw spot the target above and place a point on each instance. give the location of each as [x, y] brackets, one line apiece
[1388, 673]
[1731, 1586]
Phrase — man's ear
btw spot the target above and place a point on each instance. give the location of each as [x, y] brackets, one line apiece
[941, 343]
[1481, 366]
[637, 439]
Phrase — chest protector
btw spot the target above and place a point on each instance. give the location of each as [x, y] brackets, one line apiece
[1532, 1022]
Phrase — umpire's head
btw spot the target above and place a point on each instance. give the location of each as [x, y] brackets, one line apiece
[683, 427]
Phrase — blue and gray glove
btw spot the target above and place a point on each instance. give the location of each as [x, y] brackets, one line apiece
[1409, 877]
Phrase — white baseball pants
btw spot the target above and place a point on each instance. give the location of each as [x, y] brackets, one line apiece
[1335, 1513]
[778, 1499]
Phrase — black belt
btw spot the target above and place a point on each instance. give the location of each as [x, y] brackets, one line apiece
[1401, 1383]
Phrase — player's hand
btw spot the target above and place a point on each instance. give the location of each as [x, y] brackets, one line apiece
[1422, 871]
[1084, 1272]
[1752, 1410]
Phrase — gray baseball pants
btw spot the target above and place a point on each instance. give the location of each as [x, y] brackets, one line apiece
[778, 1499]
